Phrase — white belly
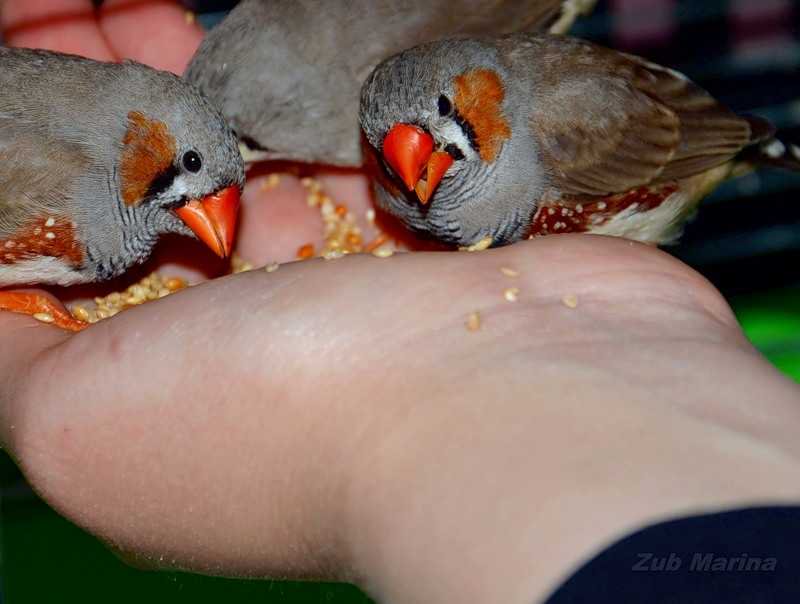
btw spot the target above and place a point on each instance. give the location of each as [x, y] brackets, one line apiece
[42, 270]
[664, 223]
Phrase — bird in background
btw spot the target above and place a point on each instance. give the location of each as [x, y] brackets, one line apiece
[486, 141]
[287, 73]
[97, 160]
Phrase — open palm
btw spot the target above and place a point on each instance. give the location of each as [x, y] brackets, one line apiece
[339, 419]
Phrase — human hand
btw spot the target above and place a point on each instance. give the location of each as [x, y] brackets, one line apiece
[336, 419]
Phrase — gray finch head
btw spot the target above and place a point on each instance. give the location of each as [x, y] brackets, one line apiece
[99, 159]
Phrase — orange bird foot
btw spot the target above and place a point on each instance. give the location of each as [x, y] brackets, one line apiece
[41, 307]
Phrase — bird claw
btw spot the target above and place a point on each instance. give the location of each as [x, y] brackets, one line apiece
[41, 307]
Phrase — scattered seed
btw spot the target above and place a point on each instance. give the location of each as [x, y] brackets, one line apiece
[189, 17]
[342, 234]
[311, 184]
[150, 288]
[473, 321]
[44, 317]
[272, 267]
[570, 301]
[270, 182]
[305, 252]
[509, 272]
[80, 313]
[175, 284]
[240, 265]
[377, 242]
[327, 208]
[383, 252]
[511, 294]
[481, 245]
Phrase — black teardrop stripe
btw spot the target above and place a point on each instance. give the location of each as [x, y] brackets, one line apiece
[467, 129]
[162, 182]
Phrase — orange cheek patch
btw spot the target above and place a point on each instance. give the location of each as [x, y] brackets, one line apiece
[579, 216]
[44, 236]
[478, 96]
[148, 150]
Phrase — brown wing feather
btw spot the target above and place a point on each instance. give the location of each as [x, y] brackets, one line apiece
[710, 133]
[607, 122]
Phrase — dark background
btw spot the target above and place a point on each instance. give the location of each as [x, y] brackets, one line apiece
[745, 239]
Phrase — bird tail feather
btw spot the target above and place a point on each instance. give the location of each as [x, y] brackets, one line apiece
[767, 149]
[777, 153]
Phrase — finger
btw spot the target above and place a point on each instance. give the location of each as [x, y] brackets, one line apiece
[348, 187]
[66, 26]
[277, 220]
[351, 189]
[154, 32]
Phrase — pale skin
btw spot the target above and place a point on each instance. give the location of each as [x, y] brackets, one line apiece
[337, 419]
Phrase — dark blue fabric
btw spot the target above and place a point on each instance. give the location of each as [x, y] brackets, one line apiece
[698, 560]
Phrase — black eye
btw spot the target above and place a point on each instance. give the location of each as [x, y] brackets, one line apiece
[454, 151]
[445, 106]
[192, 161]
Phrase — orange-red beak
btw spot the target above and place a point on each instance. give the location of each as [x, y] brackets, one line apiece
[409, 151]
[213, 219]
